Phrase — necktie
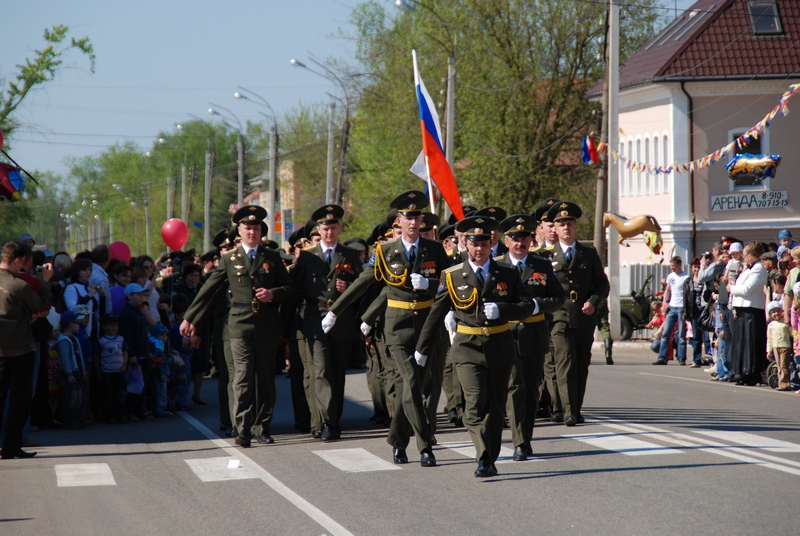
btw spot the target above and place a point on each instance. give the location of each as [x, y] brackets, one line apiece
[568, 255]
[520, 269]
[328, 257]
[252, 255]
[481, 278]
[411, 255]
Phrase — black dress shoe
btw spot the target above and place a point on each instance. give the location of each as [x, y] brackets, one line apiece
[520, 455]
[265, 439]
[17, 454]
[581, 420]
[459, 422]
[242, 440]
[452, 416]
[328, 433]
[528, 449]
[609, 361]
[570, 421]
[543, 413]
[484, 469]
[426, 459]
[557, 417]
[494, 470]
[399, 456]
[316, 434]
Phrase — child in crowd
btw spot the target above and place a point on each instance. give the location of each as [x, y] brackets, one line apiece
[656, 324]
[779, 343]
[51, 362]
[70, 370]
[112, 365]
[85, 342]
[734, 266]
[786, 240]
[159, 335]
[778, 287]
[133, 327]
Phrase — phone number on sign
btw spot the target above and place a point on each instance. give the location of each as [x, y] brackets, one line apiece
[750, 200]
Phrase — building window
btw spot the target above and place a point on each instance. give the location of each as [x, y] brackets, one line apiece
[656, 163]
[629, 171]
[639, 173]
[665, 156]
[765, 18]
[755, 147]
[647, 174]
[623, 190]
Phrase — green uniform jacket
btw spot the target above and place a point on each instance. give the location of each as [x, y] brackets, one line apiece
[582, 280]
[502, 287]
[316, 283]
[542, 285]
[402, 326]
[235, 272]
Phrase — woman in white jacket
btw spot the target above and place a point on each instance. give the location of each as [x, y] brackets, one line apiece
[750, 325]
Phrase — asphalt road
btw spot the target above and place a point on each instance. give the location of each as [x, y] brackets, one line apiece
[664, 451]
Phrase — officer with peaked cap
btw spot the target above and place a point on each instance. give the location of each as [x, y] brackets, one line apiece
[497, 214]
[321, 273]
[258, 282]
[545, 232]
[220, 340]
[409, 267]
[532, 334]
[580, 272]
[485, 296]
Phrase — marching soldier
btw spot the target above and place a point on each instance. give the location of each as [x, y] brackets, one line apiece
[409, 268]
[486, 296]
[221, 343]
[258, 282]
[321, 273]
[531, 334]
[585, 285]
[497, 214]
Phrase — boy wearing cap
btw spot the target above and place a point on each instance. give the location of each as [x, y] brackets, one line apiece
[779, 344]
[112, 363]
[585, 285]
[70, 372]
[786, 240]
[133, 328]
[486, 295]
[531, 335]
[410, 268]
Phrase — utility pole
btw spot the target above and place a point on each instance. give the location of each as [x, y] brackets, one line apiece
[343, 159]
[273, 181]
[169, 194]
[147, 219]
[183, 190]
[331, 128]
[613, 164]
[207, 205]
[240, 193]
[601, 198]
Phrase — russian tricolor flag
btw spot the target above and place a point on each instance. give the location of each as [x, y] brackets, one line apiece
[438, 169]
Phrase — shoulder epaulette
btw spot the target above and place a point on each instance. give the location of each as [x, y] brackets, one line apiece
[310, 248]
[453, 268]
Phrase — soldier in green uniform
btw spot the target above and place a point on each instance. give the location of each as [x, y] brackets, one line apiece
[221, 343]
[497, 214]
[409, 267]
[581, 275]
[486, 295]
[531, 334]
[258, 282]
[549, 400]
[321, 273]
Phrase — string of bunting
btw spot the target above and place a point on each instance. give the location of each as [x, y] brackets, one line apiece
[781, 109]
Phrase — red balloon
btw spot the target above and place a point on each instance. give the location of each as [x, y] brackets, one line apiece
[121, 251]
[175, 233]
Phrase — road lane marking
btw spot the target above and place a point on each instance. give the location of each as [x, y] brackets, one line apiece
[84, 474]
[355, 460]
[467, 449]
[279, 487]
[219, 469]
[624, 444]
[752, 440]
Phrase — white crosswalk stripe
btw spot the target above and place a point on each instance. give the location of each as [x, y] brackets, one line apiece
[219, 469]
[623, 443]
[754, 441]
[355, 460]
[84, 474]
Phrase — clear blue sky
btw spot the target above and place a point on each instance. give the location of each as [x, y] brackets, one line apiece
[158, 61]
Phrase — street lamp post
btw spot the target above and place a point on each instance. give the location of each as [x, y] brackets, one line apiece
[240, 148]
[450, 111]
[273, 157]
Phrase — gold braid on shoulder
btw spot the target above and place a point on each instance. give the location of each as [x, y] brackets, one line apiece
[458, 303]
[382, 272]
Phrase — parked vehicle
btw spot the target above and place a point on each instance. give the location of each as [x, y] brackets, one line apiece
[635, 310]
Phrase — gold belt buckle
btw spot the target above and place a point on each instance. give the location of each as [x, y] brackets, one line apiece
[412, 305]
[573, 295]
[255, 305]
[329, 302]
[485, 330]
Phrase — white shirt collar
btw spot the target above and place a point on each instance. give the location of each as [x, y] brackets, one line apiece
[407, 245]
[565, 247]
[247, 249]
[485, 266]
[515, 262]
[326, 248]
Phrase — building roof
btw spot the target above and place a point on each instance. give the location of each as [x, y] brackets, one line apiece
[715, 39]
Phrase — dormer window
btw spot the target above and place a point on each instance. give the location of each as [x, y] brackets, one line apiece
[765, 18]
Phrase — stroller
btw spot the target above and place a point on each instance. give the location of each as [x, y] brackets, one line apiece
[771, 374]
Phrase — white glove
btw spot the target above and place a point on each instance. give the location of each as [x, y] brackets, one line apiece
[328, 322]
[420, 359]
[450, 321]
[491, 310]
[419, 282]
[365, 328]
